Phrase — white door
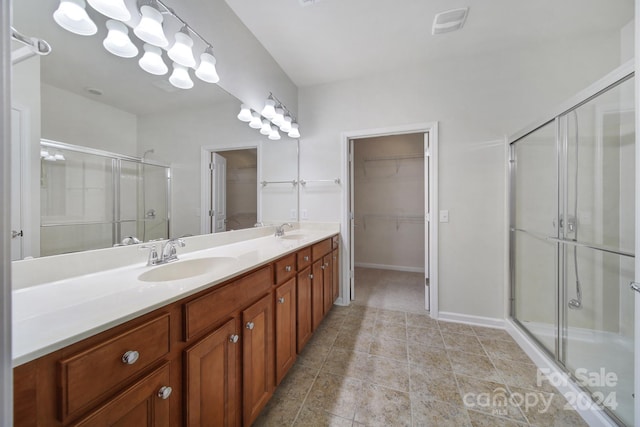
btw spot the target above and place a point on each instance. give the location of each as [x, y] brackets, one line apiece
[17, 190]
[352, 223]
[218, 193]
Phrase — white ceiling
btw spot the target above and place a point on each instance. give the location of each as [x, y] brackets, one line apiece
[332, 40]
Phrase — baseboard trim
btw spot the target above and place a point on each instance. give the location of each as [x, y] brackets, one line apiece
[390, 267]
[488, 322]
[592, 416]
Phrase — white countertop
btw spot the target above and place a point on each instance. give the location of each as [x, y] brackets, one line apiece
[50, 316]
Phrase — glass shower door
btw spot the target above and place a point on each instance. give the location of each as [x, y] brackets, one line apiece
[535, 210]
[597, 260]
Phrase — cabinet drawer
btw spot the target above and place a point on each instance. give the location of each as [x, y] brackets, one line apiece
[285, 268]
[208, 310]
[320, 249]
[93, 373]
[304, 258]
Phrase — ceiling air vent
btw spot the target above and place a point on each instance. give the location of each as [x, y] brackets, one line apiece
[450, 20]
[308, 2]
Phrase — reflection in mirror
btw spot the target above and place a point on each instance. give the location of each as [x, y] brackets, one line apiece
[83, 95]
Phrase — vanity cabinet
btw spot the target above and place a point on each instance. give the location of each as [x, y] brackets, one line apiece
[285, 321]
[213, 358]
[212, 378]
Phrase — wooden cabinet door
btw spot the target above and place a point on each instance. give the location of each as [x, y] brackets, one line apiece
[212, 379]
[285, 308]
[145, 403]
[317, 294]
[327, 286]
[303, 326]
[258, 357]
[335, 270]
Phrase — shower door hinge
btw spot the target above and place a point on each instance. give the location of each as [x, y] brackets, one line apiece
[211, 212]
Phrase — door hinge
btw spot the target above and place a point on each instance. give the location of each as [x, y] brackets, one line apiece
[211, 212]
[211, 166]
[427, 217]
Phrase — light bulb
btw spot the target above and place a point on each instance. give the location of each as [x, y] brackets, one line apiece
[245, 114]
[266, 127]
[181, 51]
[115, 9]
[279, 117]
[256, 122]
[274, 135]
[286, 124]
[149, 29]
[72, 16]
[180, 77]
[117, 41]
[207, 69]
[152, 61]
[294, 132]
[269, 109]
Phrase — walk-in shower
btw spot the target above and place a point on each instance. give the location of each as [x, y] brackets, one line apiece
[572, 239]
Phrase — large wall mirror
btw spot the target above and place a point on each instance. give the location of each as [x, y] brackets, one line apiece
[84, 98]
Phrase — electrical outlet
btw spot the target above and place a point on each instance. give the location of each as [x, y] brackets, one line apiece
[444, 216]
[304, 214]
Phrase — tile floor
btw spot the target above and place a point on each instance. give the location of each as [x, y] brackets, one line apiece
[368, 366]
[393, 290]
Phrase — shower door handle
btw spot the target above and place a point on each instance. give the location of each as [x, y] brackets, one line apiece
[635, 286]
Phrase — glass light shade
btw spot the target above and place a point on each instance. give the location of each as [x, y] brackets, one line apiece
[150, 27]
[274, 135]
[45, 153]
[294, 132]
[245, 114]
[279, 117]
[266, 127]
[115, 9]
[152, 61]
[72, 16]
[59, 156]
[286, 124]
[269, 109]
[180, 77]
[118, 42]
[206, 71]
[181, 51]
[256, 122]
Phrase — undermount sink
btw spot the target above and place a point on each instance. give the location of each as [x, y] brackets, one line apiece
[293, 236]
[185, 269]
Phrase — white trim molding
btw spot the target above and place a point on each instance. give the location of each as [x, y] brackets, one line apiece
[486, 322]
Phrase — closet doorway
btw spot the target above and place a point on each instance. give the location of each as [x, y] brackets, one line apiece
[389, 211]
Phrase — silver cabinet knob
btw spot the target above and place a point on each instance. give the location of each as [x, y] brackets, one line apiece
[306, 257]
[130, 357]
[164, 392]
[250, 325]
[326, 264]
[234, 338]
[323, 266]
[311, 276]
[281, 300]
[287, 268]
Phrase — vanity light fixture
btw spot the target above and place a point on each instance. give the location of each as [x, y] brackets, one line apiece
[152, 61]
[279, 117]
[245, 114]
[266, 127]
[286, 124]
[181, 51]
[274, 135]
[294, 132]
[115, 9]
[269, 110]
[180, 77]
[118, 41]
[72, 16]
[149, 29]
[206, 71]
[256, 122]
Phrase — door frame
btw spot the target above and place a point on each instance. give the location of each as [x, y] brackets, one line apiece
[205, 182]
[431, 203]
[25, 178]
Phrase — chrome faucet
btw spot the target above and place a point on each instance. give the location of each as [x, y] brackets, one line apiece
[168, 252]
[280, 229]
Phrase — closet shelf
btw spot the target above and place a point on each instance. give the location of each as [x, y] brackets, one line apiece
[415, 219]
[398, 159]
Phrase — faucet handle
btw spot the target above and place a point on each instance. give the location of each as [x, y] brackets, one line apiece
[153, 254]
